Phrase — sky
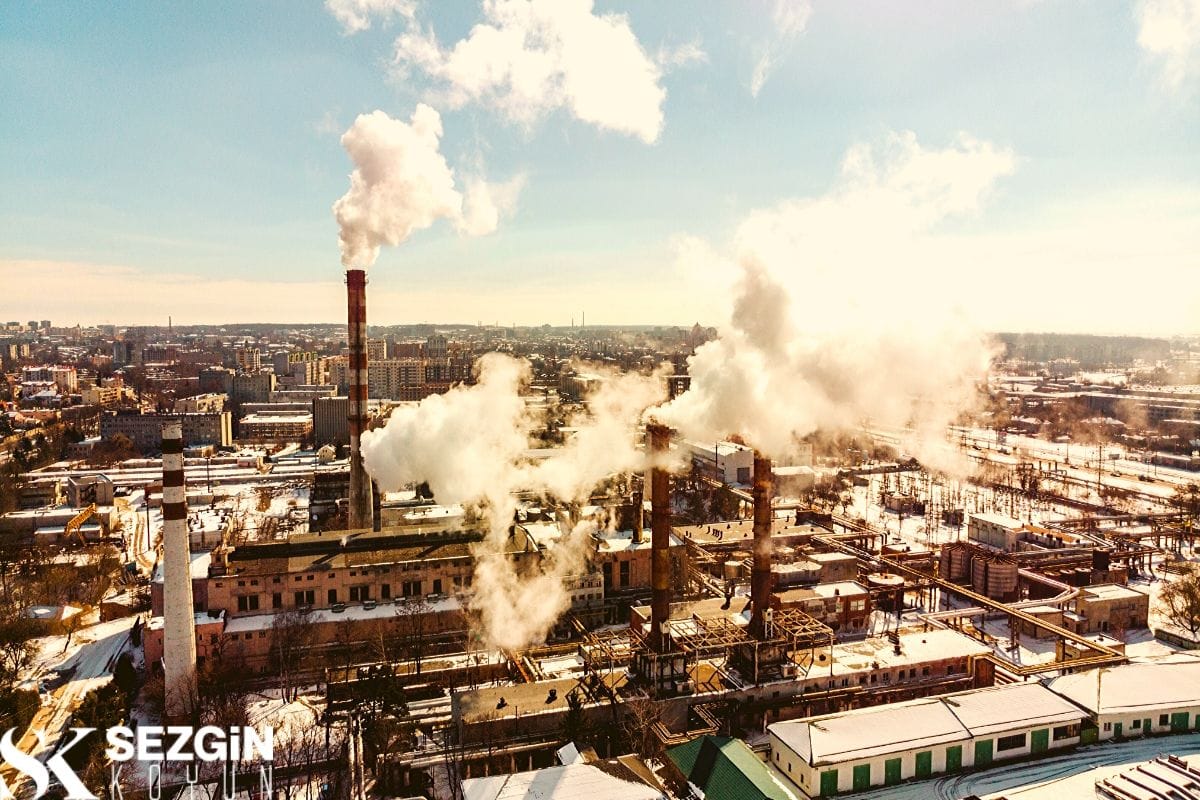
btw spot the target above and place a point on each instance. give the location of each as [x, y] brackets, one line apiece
[1023, 164]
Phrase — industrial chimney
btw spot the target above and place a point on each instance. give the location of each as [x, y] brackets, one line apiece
[760, 574]
[179, 624]
[660, 536]
[360, 485]
[639, 512]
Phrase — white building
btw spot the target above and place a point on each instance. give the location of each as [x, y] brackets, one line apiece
[727, 462]
[881, 746]
[1138, 699]
[569, 782]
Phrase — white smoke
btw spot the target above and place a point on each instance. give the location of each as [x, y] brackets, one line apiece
[401, 183]
[837, 321]
[531, 57]
[470, 446]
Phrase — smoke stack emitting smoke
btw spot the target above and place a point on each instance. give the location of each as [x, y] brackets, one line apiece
[787, 363]
[401, 184]
[470, 446]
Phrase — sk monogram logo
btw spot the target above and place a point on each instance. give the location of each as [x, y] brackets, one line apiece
[40, 773]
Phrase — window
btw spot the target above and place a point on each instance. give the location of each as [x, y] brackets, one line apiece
[254, 583]
[1164, 719]
[247, 602]
[299, 578]
[360, 593]
[1137, 723]
[241, 583]
[305, 598]
[385, 590]
[310, 577]
[1010, 742]
[332, 594]
[275, 579]
[412, 588]
[1108, 726]
[624, 573]
[925, 671]
[277, 600]
[219, 584]
[1066, 732]
[437, 585]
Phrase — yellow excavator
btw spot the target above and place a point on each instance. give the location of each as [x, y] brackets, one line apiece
[73, 530]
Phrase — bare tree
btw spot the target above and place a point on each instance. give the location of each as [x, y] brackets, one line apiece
[291, 634]
[414, 622]
[1179, 599]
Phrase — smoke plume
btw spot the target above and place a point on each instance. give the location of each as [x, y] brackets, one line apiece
[470, 446]
[401, 183]
[837, 319]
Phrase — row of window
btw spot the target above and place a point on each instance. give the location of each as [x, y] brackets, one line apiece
[307, 597]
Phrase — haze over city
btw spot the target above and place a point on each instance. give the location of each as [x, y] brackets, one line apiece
[175, 161]
[565, 400]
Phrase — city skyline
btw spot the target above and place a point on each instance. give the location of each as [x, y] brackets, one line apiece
[1029, 167]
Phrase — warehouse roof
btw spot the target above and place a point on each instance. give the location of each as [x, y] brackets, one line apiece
[1169, 683]
[871, 732]
[570, 782]
[725, 768]
[1004, 708]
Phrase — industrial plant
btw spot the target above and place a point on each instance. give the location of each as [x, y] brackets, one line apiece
[564, 400]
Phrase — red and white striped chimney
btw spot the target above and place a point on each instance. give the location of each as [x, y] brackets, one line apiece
[179, 623]
[360, 485]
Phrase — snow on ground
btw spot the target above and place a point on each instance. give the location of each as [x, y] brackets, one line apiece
[1013, 780]
[89, 659]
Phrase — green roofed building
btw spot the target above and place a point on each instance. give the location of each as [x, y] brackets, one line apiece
[724, 768]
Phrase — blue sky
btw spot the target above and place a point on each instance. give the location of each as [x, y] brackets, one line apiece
[171, 158]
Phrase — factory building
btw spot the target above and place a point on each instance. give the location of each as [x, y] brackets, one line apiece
[1139, 699]
[882, 746]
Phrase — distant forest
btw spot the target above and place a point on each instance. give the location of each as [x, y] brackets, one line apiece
[1092, 352]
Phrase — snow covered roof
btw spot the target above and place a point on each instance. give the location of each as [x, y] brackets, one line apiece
[1130, 688]
[870, 732]
[1004, 708]
[916, 724]
[570, 782]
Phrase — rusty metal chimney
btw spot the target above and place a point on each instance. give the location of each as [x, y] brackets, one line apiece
[639, 513]
[360, 486]
[760, 574]
[660, 536]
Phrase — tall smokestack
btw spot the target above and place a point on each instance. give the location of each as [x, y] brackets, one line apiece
[760, 574]
[356, 324]
[660, 535]
[639, 513]
[179, 624]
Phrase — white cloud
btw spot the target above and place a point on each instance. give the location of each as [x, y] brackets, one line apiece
[531, 57]
[1169, 31]
[401, 183]
[356, 15]
[682, 55]
[789, 18]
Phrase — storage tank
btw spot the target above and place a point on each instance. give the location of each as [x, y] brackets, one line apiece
[1002, 579]
[955, 562]
[887, 590]
[732, 570]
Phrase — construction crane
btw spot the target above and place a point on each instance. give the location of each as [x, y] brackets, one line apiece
[76, 523]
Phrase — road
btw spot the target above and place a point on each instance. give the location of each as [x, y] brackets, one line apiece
[1027, 773]
[93, 665]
